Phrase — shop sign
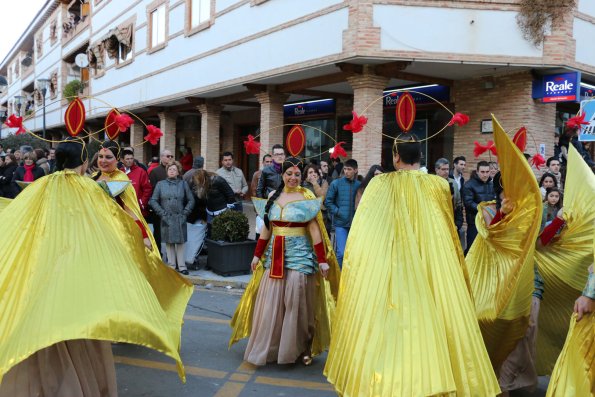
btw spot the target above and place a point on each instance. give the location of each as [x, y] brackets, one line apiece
[310, 108]
[563, 87]
[588, 131]
[440, 93]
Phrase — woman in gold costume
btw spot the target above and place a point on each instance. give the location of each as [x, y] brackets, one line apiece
[290, 317]
[66, 296]
[501, 268]
[405, 324]
[107, 162]
[564, 263]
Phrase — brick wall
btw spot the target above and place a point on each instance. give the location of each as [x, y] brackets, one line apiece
[511, 102]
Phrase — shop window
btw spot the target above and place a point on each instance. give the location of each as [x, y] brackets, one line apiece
[199, 15]
[158, 26]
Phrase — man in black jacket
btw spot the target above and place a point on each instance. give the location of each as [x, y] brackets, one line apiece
[477, 189]
[270, 177]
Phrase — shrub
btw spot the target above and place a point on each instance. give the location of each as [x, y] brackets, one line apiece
[230, 226]
[71, 90]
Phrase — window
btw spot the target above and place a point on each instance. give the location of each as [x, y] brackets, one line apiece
[200, 12]
[158, 26]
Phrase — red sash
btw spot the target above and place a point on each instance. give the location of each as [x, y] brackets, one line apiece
[278, 253]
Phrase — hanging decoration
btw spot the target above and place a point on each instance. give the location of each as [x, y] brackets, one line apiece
[251, 145]
[111, 128]
[356, 124]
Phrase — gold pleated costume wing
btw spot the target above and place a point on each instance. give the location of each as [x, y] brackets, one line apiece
[501, 259]
[326, 295]
[4, 203]
[405, 323]
[564, 262]
[77, 269]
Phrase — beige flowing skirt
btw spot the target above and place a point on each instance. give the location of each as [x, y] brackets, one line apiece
[76, 368]
[518, 371]
[283, 322]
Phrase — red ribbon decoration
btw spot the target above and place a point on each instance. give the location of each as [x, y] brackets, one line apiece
[338, 151]
[405, 112]
[296, 140]
[356, 124]
[123, 121]
[577, 121]
[481, 149]
[15, 122]
[278, 258]
[74, 117]
[153, 135]
[459, 119]
[538, 161]
[252, 146]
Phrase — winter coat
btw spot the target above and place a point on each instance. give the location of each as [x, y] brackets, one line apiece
[141, 185]
[44, 165]
[173, 201]
[8, 188]
[340, 201]
[474, 192]
[19, 174]
[269, 180]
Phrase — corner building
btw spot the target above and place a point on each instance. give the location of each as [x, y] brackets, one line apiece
[210, 72]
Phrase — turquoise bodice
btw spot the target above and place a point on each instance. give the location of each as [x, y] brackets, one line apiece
[298, 252]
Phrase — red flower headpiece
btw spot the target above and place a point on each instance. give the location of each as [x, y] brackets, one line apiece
[459, 119]
[577, 121]
[356, 124]
[15, 122]
[153, 135]
[251, 145]
[338, 151]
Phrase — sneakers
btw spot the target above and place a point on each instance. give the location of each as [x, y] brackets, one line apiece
[184, 272]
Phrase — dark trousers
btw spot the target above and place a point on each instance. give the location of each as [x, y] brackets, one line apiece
[471, 234]
[156, 221]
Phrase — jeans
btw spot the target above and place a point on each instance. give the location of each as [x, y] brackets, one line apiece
[341, 239]
[238, 206]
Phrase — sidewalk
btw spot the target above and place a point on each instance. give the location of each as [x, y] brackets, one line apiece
[204, 277]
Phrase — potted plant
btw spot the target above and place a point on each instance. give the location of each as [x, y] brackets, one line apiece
[72, 89]
[230, 251]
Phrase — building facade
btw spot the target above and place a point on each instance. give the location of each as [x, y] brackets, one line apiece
[210, 72]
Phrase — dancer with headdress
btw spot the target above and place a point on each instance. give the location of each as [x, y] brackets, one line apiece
[287, 307]
[501, 267]
[405, 323]
[66, 296]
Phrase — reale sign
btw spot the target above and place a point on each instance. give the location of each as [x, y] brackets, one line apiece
[564, 87]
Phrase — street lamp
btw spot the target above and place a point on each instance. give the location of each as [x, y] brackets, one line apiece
[43, 87]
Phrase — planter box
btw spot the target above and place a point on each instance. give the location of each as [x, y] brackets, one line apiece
[230, 259]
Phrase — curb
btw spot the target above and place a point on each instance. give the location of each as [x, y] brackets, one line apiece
[196, 280]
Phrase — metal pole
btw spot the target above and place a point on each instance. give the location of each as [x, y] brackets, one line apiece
[43, 133]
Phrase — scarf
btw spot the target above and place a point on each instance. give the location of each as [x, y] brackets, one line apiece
[277, 167]
[28, 177]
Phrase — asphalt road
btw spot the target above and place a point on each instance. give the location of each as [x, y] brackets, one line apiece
[211, 369]
[214, 371]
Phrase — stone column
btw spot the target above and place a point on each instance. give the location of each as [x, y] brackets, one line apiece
[228, 141]
[367, 144]
[167, 124]
[210, 122]
[137, 133]
[271, 120]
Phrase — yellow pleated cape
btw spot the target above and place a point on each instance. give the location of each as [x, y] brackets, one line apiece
[501, 259]
[76, 268]
[564, 263]
[326, 295]
[405, 323]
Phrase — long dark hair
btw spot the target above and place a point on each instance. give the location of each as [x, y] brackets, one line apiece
[288, 163]
[113, 147]
[498, 188]
[545, 175]
[371, 174]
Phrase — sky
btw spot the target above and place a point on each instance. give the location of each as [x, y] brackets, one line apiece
[16, 17]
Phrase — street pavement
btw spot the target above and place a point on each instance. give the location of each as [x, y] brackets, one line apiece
[214, 371]
[211, 369]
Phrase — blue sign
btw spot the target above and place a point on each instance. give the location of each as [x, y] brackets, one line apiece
[564, 87]
[587, 133]
[440, 93]
[311, 108]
